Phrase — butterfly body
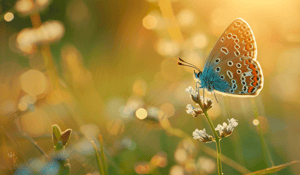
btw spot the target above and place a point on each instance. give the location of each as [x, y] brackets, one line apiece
[212, 81]
[231, 67]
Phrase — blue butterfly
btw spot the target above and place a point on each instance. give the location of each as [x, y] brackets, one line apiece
[231, 67]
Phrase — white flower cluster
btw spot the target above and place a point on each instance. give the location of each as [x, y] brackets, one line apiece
[190, 109]
[226, 130]
[202, 136]
[194, 94]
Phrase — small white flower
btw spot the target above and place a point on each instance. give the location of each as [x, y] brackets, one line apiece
[202, 136]
[194, 94]
[232, 123]
[190, 109]
[226, 130]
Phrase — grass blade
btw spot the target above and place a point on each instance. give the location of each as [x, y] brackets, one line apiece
[273, 169]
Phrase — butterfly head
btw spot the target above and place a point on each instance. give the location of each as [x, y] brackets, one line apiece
[197, 75]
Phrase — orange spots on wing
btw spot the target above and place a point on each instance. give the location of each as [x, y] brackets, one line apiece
[255, 81]
[250, 89]
[255, 76]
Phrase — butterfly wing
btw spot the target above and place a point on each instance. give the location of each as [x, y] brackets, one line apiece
[233, 59]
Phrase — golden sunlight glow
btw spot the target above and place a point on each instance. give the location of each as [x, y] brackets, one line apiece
[51, 31]
[33, 82]
[34, 122]
[160, 159]
[255, 122]
[176, 170]
[89, 130]
[22, 106]
[58, 96]
[115, 126]
[26, 40]
[194, 58]
[7, 106]
[8, 16]
[139, 87]
[24, 6]
[142, 168]
[150, 22]
[42, 3]
[168, 109]
[167, 48]
[206, 164]
[170, 70]
[48, 32]
[141, 113]
[200, 40]
[190, 166]
[30, 99]
[78, 12]
[186, 17]
[180, 155]
[279, 88]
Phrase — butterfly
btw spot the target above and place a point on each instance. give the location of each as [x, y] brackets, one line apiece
[231, 67]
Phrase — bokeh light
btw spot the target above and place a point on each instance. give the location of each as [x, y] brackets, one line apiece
[255, 122]
[48, 32]
[141, 113]
[34, 122]
[206, 164]
[109, 72]
[26, 7]
[190, 166]
[199, 40]
[186, 18]
[8, 16]
[167, 47]
[160, 159]
[142, 168]
[168, 109]
[180, 155]
[176, 170]
[149, 22]
[33, 82]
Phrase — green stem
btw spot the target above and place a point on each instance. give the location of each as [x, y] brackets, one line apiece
[266, 152]
[235, 165]
[103, 155]
[218, 144]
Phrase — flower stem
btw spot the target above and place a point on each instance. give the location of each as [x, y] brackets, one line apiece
[265, 149]
[218, 144]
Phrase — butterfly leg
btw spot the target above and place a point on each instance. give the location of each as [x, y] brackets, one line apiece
[203, 96]
[215, 96]
[197, 88]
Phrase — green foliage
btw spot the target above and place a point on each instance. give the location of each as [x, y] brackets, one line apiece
[60, 139]
[273, 169]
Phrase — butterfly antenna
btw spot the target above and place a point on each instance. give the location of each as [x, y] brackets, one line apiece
[203, 96]
[184, 63]
[215, 96]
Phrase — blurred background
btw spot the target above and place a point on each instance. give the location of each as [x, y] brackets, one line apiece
[110, 68]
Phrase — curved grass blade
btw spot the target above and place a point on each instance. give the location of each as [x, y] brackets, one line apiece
[273, 169]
